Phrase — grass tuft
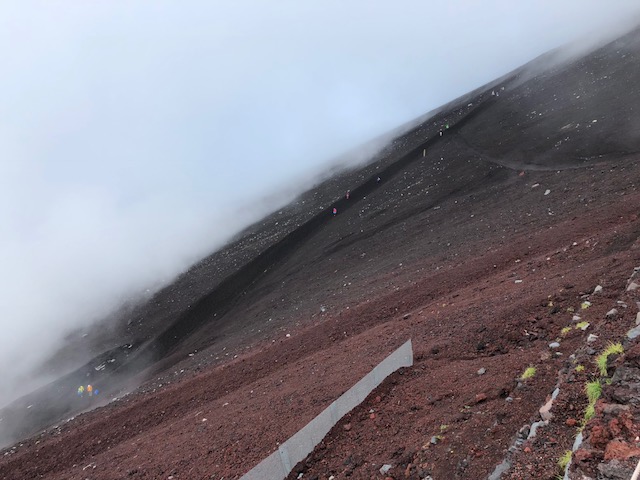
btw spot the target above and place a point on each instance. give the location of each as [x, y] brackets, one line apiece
[529, 372]
[593, 391]
[582, 325]
[589, 412]
[565, 459]
[603, 358]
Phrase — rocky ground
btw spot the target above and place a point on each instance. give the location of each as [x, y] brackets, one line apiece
[483, 245]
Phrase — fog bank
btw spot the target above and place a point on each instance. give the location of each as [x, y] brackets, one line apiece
[137, 137]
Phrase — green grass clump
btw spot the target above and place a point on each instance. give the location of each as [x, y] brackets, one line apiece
[565, 330]
[593, 391]
[564, 460]
[589, 412]
[582, 325]
[529, 372]
[579, 368]
[603, 358]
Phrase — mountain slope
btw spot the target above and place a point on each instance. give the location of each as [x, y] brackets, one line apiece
[534, 179]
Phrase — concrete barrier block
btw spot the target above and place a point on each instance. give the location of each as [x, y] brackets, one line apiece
[269, 468]
[280, 463]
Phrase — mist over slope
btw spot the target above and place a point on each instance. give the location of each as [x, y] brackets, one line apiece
[120, 163]
[430, 203]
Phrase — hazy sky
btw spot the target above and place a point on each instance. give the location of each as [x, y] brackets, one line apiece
[130, 131]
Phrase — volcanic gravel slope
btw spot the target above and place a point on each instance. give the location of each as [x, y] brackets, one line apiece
[478, 244]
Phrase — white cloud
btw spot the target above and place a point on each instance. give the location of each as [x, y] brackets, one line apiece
[129, 129]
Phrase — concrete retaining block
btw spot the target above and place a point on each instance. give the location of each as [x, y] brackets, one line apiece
[280, 463]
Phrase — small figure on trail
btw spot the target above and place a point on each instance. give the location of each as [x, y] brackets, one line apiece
[440, 132]
[348, 194]
[335, 211]
[81, 391]
[378, 180]
[90, 390]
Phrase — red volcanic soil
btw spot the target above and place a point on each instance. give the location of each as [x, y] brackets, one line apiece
[480, 245]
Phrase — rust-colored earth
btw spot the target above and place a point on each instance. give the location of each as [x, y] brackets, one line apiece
[480, 245]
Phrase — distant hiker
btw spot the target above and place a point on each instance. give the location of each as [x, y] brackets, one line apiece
[81, 391]
[440, 132]
[378, 180]
[335, 211]
[90, 390]
[348, 194]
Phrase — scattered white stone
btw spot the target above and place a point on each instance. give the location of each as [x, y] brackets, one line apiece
[554, 345]
[598, 289]
[547, 191]
[518, 281]
[585, 326]
[288, 335]
[535, 185]
[634, 332]
[534, 428]
[482, 371]
[385, 468]
[576, 318]
[633, 286]
[612, 313]
[545, 410]
[638, 319]
[592, 338]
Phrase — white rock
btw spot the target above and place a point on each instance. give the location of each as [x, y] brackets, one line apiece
[554, 345]
[385, 468]
[598, 289]
[612, 313]
[633, 333]
[592, 338]
[547, 191]
[633, 286]
[576, 318]
[482, 371]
